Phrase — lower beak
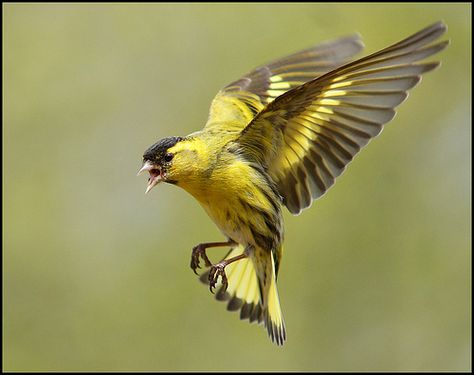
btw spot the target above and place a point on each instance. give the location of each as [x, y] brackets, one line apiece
[155, 175]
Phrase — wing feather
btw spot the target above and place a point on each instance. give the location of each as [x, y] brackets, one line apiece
[307, 136]
[238, 102]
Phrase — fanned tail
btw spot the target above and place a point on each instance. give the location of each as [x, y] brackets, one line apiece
[257, 300]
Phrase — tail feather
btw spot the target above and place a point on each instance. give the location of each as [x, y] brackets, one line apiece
[242, 289]
[273, 316]
[244, 292]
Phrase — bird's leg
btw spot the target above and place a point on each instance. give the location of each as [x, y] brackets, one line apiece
[200, 251]
[218, 270]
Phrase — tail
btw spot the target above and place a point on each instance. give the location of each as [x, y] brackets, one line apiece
[256, 298]
[273, 318]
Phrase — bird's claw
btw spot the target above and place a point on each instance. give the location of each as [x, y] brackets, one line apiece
[199, 251]
[214, 273]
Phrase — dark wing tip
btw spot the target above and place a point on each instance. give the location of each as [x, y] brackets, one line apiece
[440, 25]
[357, 40]
[442, 45]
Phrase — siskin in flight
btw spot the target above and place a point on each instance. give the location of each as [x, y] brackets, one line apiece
[279, 136]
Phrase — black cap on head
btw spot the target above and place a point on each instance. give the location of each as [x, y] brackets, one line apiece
[156, 152]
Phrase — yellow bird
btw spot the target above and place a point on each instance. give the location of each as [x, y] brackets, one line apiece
[280, 136]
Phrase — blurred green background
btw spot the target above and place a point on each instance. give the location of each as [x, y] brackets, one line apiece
[375, 276]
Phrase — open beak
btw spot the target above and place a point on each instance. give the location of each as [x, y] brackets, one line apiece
[155, 175]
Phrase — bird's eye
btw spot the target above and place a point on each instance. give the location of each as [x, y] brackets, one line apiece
[168, 157]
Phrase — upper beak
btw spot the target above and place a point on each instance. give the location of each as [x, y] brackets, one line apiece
[155, 175]
[147, 166]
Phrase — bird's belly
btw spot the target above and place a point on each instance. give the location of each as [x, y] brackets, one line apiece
[246, 225]
[242, 204]
[229, 222]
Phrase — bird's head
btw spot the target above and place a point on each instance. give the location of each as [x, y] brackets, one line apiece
[158, 161]
[171, 159]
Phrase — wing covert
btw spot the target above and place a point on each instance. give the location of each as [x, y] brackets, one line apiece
[238, 103]
[307, 136]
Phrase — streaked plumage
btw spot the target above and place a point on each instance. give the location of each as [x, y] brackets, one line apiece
[281, 135]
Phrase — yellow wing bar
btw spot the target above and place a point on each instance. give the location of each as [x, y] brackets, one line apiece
[306, 137]
[238, 103]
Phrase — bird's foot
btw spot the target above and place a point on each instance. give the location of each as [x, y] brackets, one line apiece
[199, 251]
[214, 273]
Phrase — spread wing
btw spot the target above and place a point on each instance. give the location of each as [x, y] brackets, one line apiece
[306, 137]
[238, 103]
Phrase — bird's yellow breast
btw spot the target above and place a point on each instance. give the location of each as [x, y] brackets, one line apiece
[223, 195]
[239, 200]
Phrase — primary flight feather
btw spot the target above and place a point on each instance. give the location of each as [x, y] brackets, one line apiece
[281, 135]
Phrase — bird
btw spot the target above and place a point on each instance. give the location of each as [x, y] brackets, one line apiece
[279, 137]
